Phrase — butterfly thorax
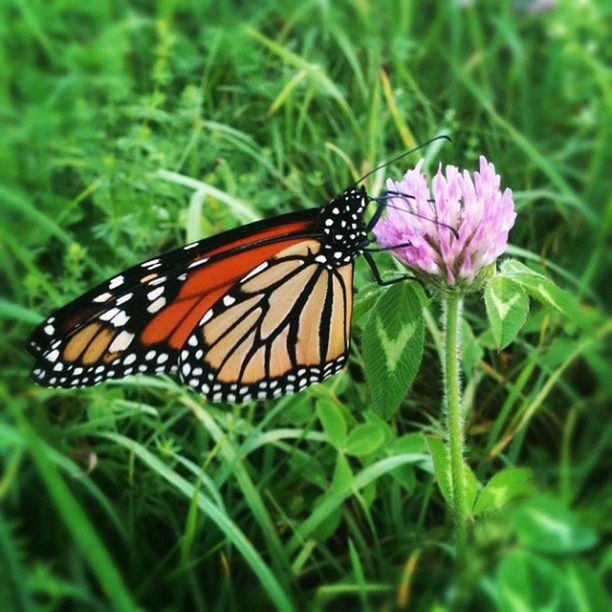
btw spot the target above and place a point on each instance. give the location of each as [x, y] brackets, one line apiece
[343, 226]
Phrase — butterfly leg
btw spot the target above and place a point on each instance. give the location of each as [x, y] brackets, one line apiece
[378, 278]
[402, 245]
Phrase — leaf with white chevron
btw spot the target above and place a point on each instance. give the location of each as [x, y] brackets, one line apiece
[393, 346]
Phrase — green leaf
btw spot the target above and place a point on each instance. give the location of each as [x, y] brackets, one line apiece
[327, 528]
[404, 475]
[343, 475]
[507, 309]
[365, 300]
[409, 443]
[545, 524]
[586, 588]
[309, 468]
[364, 439]
[527, 582]
[541, 288]
[503, 487]
[471, 351]
[332, 419]
[393, 347]
[439, 455]
[441, 463]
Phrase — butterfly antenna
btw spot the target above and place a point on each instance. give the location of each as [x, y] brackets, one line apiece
[399, 194]
[404, 154]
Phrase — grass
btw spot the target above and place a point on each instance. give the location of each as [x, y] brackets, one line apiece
[130, 128]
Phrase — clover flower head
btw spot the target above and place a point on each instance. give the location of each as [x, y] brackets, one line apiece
[479, 213]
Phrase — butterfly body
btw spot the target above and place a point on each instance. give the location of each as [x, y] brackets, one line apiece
[257, 312]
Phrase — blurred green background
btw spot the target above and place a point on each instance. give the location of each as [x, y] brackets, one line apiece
[129, 128]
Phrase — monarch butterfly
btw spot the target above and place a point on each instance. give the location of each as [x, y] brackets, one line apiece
[253, 313]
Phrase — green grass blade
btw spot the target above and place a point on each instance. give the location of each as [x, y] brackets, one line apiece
[221, 519]
[73, 516]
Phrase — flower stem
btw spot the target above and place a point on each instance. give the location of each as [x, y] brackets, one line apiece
[455, 424]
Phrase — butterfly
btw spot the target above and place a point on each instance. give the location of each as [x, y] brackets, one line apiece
[253, 313]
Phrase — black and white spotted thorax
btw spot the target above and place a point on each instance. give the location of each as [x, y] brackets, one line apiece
[343, 226]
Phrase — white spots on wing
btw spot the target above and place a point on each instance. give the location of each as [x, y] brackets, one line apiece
[228, 300]
[52, 356]
[193, 341]
[121, 342]
[150, 355]
[184, 354]
[186, 369]
[116, 282]
[207, 315]
[256, 270]
[321, 259]
[109, 314]
[58, 367]
[151, 264]
[124, 298]
[190, 246]
[182, 277]
[158, 304]
[49, 329]
[198, 262]
[120, 319]
[159, 281]
[153, 295]
[162, 358]
[329, 222]
[129, 359]
[103, 297]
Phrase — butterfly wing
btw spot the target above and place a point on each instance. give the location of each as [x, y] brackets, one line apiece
[282, 327]
[138, 320]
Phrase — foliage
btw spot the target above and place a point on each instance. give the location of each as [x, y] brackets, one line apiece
[130, 128]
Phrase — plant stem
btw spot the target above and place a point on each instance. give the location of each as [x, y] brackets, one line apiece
[455, 424]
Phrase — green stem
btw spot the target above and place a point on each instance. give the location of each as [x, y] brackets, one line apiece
[455, 423]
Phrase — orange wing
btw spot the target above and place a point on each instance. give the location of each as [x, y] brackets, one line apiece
[138, 320]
